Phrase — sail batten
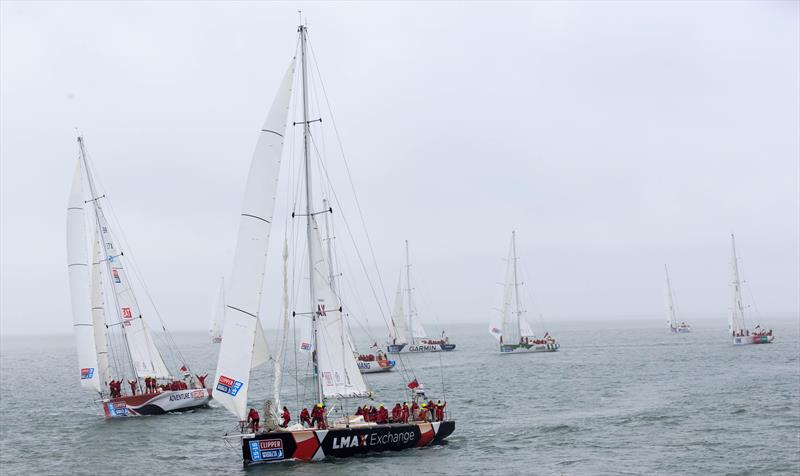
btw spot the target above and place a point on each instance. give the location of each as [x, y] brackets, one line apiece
[241, 346]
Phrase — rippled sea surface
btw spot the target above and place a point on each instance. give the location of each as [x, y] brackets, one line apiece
[618, 398]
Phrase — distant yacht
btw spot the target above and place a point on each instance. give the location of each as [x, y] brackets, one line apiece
[736, 325]
[672, 319]
[406, 333]
[513, 333]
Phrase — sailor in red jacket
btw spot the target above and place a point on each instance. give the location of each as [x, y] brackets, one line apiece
[202, 380]
[132, 383]
[405, 413]
[318, 416]
[383, 414]
[305, 419]
[397, 413]
[253, 419]
[286, 417]
[440, 410]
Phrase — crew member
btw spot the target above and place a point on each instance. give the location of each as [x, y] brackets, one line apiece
[397, 413]
[202, 380]
[253, 419]
[415, 410]
[440, 410]
[423, 413]
[132, 383]
[318, 416]
[286, 417]
[305, 419]
[405, 414]
[382, 415]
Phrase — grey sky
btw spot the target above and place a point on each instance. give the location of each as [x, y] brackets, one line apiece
[614, 136]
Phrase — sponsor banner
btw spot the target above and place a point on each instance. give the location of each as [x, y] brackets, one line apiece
[189, 395]
[87, 374]
[229, 385]
[127, 316]
[119, 409]
[266, 450]
[115, 275]
[424, 348]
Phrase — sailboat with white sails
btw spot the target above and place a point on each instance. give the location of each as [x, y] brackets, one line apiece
[117, 356]
[672, 318]
[337, 378]
[406, 332]
[737, 327]
[513, 332]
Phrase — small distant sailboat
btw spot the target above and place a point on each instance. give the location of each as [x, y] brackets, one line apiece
[117, 356]
[218, 315]
[672, 318]
[514, 334]
[736, 325]
[406, 333]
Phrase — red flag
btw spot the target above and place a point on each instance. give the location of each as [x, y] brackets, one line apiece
[413, 384]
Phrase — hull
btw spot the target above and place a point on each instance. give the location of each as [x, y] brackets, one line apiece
[528, 348]
[156, 403]
[312, 445]
[375, 366]
[419, 348]
[681, 330]
[748, 340]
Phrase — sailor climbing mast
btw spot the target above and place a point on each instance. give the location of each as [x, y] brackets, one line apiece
[315, 312]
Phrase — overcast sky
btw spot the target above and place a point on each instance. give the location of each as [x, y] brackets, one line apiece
[614, 137]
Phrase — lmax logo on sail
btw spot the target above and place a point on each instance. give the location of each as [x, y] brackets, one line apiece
[262, 450]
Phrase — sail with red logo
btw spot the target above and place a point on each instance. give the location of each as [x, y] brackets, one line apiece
[118, 357]
[342, 418]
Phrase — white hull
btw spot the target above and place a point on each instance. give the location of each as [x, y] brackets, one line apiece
[527, 349]
[749, 340]
[371, 367]
[422, 347]
[156, 403]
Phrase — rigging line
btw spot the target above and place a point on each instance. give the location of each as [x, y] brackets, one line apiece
[349, 175]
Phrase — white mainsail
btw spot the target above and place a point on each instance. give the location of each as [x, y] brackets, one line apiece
[672, 319]
[398, 331]
[99, 314]
[511, 319]
[736, 321]
[336, 364]
[240, 347]
[525, 328]
[78, 267]
[218, 314]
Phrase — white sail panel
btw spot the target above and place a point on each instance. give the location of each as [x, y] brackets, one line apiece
[260, 348]
[398, 330]
[510, 318]
[525, 328]
[218, 314]
[736, 321]
[417, 329]
[147, 360]
[336, 364]
[244, 292]
[99, 314]
[672, 319]
[79, 282]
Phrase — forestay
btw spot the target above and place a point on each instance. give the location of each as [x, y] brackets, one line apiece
[237, 352]
[78, 267]
[337, 367]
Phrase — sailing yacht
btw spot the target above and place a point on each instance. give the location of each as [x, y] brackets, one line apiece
[406, 332]
[672, 318]
[513, 333]
[741, 334]
[117, 357]
[337, 379]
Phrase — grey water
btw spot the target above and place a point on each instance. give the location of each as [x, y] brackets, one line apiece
[618, 398]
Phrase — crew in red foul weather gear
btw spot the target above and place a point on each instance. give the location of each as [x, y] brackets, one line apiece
[397, 413]
[318, 416]
[132, 383]
[286, 417]
[253, 419]
[440, 410]
[414, 410]
[383, 415]
[202, 380]
[405, 413]
[305, 419]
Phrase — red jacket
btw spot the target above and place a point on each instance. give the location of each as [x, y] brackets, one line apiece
[397, 413]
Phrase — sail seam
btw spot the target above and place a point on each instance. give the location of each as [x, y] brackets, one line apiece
[256, 217]
[74, 208]
[267, 130]
[77, 264]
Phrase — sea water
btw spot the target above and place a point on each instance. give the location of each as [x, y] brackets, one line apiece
[617, 398]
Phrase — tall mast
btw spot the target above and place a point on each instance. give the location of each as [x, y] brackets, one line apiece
[516, 280]
[410, 308]
[98, 213]
[673, 322]
[737, 320]
[309, 225]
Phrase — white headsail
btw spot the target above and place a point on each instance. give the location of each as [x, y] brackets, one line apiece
[736, 321]
[218, 314]
[237, 352]
[99, 314]
[672, 319]
[337, 367]
[511, 318]
[78, 267]
[398, 331]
